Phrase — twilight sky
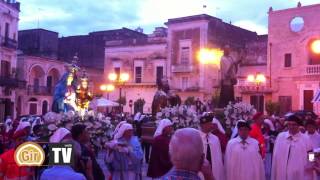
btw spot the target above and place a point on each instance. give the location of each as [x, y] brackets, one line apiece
[76, 17]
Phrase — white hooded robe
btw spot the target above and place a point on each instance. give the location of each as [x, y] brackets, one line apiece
[243, 161]
[216, 155]
[290, 157]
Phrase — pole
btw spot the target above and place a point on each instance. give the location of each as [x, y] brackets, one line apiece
[108, 95]
[120, 103]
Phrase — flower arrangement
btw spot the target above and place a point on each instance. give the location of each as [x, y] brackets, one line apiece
[238, 111]
[99, 127]
[182, 116]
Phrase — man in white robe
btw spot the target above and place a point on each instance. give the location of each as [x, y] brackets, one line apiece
[312, 133]
[290, 154]
[211, 144]
[243, 160]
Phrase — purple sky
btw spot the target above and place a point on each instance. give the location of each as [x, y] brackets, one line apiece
[74, 17]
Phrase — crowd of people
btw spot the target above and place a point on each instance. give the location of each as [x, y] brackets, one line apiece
[261, 149]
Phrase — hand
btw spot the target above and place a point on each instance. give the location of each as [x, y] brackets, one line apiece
[206, 170]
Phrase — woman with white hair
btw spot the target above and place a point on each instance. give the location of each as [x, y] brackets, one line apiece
[160, 162]
[124, 156]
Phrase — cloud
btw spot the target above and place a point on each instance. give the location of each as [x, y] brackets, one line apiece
[72, 17]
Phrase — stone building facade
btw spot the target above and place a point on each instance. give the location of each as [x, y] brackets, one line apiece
[9, 18]
[292, 64]
[145, 61]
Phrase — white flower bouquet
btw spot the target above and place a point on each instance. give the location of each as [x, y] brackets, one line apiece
[182, 116]
[238, 111]
[99, 127]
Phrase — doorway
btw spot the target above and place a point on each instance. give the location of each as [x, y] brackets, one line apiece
[307, 100]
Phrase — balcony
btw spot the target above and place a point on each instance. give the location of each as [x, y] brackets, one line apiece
[312, 70]
[246, 87]
[40, 90]
[11, 82]
[9, 43]
[182, 68]
[142, 84]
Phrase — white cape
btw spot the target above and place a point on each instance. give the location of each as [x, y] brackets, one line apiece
[216, 155]
[243, 162]
[293, 167]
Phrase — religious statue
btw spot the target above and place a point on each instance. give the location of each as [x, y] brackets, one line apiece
[71, 93]
[160, 99]
[229, 69]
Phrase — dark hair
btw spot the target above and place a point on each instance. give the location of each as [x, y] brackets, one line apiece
[311, 122]
[36, 128]
[77, 130]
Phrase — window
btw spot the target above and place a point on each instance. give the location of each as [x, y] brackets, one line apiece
[49, 83]
[287, 60]
[285, 104]
[5, 69]
[6, 32]
[159, 74]
[185, 55]
[184, 83]
[138, 74]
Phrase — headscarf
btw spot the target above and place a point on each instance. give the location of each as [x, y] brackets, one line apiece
[162, 124]
[58, 135]
[117, 127]
[217, 122]
[22, 125]
[123, 128]
[270, 124]
[8, 124]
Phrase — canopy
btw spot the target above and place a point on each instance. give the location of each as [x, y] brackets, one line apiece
[102, 102]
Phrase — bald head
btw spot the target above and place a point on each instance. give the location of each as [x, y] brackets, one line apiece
[186, 149]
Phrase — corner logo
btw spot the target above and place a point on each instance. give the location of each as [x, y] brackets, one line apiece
[29, 154]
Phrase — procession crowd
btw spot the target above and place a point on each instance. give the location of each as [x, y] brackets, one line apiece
[259, 149]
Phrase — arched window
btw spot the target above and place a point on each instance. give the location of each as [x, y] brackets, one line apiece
[44, 107]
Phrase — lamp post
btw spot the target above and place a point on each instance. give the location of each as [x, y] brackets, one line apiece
[107, 88]
[119, 80]
[258, 80]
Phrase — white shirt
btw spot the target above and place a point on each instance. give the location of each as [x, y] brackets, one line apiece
[315, 139]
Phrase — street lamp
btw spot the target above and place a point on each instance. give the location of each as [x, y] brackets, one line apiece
[119, 80]
[258, 80]
[210, 56]
[315, 46]
[107, 88]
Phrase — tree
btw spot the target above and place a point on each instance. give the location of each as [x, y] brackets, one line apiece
[189, 101]
[272, 108]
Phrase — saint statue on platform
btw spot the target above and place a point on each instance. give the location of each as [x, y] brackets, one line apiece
[229, 68]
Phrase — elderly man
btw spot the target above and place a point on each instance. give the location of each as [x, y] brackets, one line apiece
[290, 154]
[243, 161]
[186, 153]
[212, 147]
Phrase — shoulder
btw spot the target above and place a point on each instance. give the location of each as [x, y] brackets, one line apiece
[233, 141]
[282, 135]
[214, 138]
[253, 141]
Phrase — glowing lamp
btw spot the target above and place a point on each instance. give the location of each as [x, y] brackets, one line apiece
[113, 76]
[260, 78]
[250, 78]
[110, 87]
[210, 56]
[103, 87]
[124, 77]
[315, 46]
